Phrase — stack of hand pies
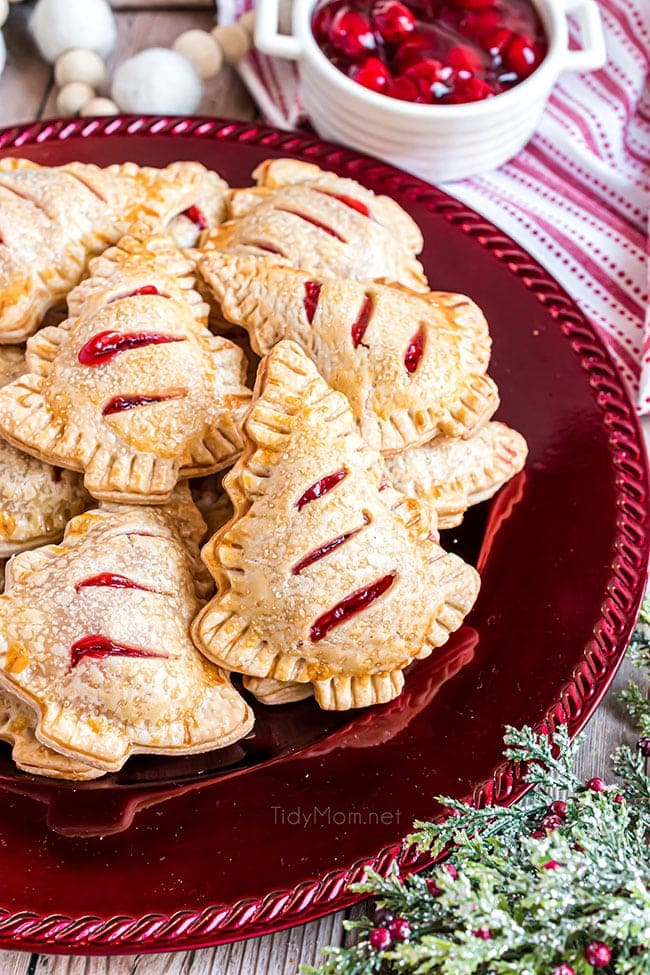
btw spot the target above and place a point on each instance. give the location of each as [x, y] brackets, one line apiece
[145, 298]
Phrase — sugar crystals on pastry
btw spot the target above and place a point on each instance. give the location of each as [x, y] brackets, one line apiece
[94, 636]
[452, 474]
[413, 366]
[315, 220]
[325, 575]
[133, 389]
[54, 218]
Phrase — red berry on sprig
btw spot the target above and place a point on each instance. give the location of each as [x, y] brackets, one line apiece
[597, 954]
[643, 745]
[563, 969]
[597, 785]
[380, 939]
[382, 917]
[550, 823]
[483, 933]
[558, 808]
[399, 929]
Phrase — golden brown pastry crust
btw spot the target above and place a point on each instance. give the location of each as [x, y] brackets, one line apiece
[36, 500]
[453, 474]
[411, 365]
[53, 219]
[295, 555]
[85, 411]
[312, 219]
[94, 635]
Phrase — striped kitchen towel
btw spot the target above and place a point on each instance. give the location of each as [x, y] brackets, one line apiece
[577, 197]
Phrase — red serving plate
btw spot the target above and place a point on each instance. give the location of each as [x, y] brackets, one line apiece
[185, 853]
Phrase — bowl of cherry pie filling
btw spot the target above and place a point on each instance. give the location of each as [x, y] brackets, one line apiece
[443, 88]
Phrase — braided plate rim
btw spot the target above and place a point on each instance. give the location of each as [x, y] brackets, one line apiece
[575, 702]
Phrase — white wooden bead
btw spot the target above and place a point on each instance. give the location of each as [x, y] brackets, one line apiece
[4, 11]
[79, 65]
[199, 47]
[235, 42]
[100, 106]
[247, 22]
[72, 98]
[157, 81]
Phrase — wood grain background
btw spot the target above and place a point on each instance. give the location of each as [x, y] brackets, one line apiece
[26, 92]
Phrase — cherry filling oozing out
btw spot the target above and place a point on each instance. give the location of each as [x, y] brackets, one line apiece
[432, 51]
[310, 301]
[105, 346]
[111, 581]
[348, 201]
[197, 216]
[349, 606]
[320, 488]
[314, 222]
[119, 404]
[414, 351]
[361, 322]
[97, 646]
[323, 550]
[146, 289]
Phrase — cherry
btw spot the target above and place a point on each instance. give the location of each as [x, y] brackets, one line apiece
[520, 55]
[476, 6]
[372, 74]
[473, 90]
[464, 58]
[393, 20]
[411, 51]
[351, 32]
[402, 88]
[425, 74]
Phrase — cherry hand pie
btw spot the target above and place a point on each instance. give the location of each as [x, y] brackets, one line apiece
[314, 220]
[94, 634]
[36, 500]
[453, 474]
[325, 575]
[133, 389]
[52, 219]
[411, 365]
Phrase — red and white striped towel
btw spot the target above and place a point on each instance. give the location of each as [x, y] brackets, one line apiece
[577, 197]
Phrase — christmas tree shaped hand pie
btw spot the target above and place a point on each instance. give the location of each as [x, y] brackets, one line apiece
[94, 635]
[413, 366]
[54, 218]
[325, 574]
[133, 390]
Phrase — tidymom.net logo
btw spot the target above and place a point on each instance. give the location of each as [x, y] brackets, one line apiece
[332, 816]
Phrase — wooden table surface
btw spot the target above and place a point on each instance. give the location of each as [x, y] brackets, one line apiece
[26, 93]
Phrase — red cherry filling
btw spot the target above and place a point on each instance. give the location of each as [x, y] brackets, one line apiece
[472, 49]
[320, 488]
[97, 646]
[414, 351]
[328, 547]
[111, 581]
[349, 201]
[119, 404]
[105, 346]
[310, 301]
[197, 217]
[146, 289]
[314, 222]
[348, 607]
[361, 324]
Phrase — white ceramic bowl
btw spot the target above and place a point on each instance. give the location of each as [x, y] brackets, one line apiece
[438, 142]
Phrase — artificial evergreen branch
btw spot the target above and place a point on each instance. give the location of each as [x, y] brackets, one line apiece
[550, 888]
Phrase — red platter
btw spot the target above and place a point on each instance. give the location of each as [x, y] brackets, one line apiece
[172, 854]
